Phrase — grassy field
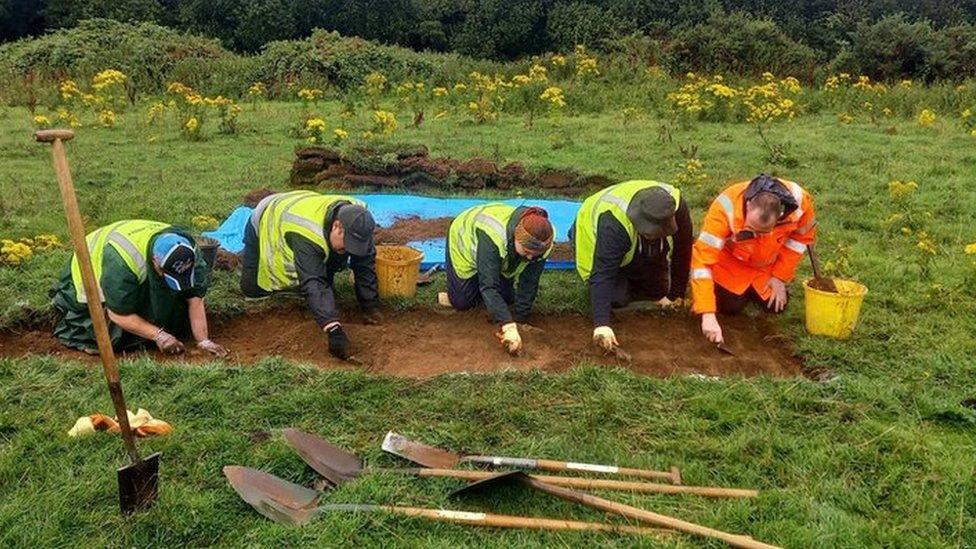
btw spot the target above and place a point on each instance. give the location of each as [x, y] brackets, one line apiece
[880, 455]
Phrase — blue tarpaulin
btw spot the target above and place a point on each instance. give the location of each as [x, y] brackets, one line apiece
[387, 208]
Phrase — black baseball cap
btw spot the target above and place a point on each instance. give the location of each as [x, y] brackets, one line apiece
[177, 259]
[358, 225]
[652, 212]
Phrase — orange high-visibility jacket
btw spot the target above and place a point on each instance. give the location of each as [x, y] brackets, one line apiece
[717, 258]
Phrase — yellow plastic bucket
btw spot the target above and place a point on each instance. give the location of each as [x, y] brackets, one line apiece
[830, 314]
[397, 269]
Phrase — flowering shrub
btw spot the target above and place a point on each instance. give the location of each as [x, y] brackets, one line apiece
[13, 253]
[926, 117]
[384, 123]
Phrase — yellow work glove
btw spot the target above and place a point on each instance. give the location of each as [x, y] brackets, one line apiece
[510, 338]
[604, 337]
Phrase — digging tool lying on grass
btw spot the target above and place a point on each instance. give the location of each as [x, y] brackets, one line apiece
[138, 481]
[339, 466]
[289, 503]
[820, 282]
[429, 456]
[518, 477]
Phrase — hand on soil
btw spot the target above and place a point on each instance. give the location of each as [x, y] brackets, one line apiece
[168, 343]
[604, 337]
[213, 348]
[373, 317]
[510, 338]
[776, 301]
[711, 328]
[338, 342]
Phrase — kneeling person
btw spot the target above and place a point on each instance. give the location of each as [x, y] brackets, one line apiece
[489, 247]
[301, 239]
[633, 242]
[753, 237]
[152, 280]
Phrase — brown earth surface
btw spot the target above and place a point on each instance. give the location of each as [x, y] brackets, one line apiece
[424, 343]
[412, 229]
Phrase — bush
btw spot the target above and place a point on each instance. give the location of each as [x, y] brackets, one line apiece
[892, 48]
[145, 52]
[581, 23]
[739, 44]
[342, 62]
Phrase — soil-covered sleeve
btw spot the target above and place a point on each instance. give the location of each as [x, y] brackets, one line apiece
[489, 266]
[681, 252]
[528, 288]
[364, 273]
[313, 278]
[120, 285]
[612, 244]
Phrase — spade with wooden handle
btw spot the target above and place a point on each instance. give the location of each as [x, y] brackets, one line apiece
[429, 456]
[138, 481]
[289, 503]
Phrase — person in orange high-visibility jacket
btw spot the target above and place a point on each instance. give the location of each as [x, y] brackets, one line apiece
[754, 235]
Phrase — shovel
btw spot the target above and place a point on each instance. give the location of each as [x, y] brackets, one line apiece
[429, 456]
[503, 480]
[820, 282]
[339, 466]
[138, 481]
[294, 505]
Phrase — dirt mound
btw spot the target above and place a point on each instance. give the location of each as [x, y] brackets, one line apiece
[412, 229]
[563, 251]
[402, 346]
[413, 168]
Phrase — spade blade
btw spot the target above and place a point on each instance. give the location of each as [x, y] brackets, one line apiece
[335, 464]
[139, 484]
[501, 481]
[273, 497]
[419, 453]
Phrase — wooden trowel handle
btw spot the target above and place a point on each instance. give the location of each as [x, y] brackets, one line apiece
[814, 262]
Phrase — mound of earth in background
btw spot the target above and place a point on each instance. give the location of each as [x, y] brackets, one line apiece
[423, 343]
[412, 168]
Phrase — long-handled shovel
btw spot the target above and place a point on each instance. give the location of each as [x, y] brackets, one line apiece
[429, 456]
[518, 477]
[289, 503]
[339, 466]
[138, 481]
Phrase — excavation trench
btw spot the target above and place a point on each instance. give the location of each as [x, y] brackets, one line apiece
[424, 343]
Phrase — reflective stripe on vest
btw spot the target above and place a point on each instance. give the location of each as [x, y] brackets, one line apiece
[493, 220]
[615, 199]
[300, 212]
[130, 239]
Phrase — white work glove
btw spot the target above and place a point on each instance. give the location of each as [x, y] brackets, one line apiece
[167, 343]
[213, 348]
[711, 329]
[510, 338]
[604, 337]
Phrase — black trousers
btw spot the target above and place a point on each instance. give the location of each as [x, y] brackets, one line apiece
[729, 303]
[645, 278]
[465, 293]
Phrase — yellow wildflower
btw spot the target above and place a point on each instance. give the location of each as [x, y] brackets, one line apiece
[460, 87]
[926, 117]
[971, 249]
[42, 121]
[845, 118]
[257, 89]
[315, 125]
[14, 253]
[205, 222]
[178, 88]
[310, 94]
[554, 96]
[107, 78]
[192, 124]
[106, 118]
[558, 60]
[385, 122]
[439, 91]
[340, 134]
[898, 189]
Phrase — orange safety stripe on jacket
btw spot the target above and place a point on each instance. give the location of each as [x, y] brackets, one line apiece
[717, 259]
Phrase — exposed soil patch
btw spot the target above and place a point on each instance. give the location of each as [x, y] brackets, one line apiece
[563, 251]
[423, 343]
[411, 229]
[413, 168]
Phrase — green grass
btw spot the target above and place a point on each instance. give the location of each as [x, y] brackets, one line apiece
[881, 455]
